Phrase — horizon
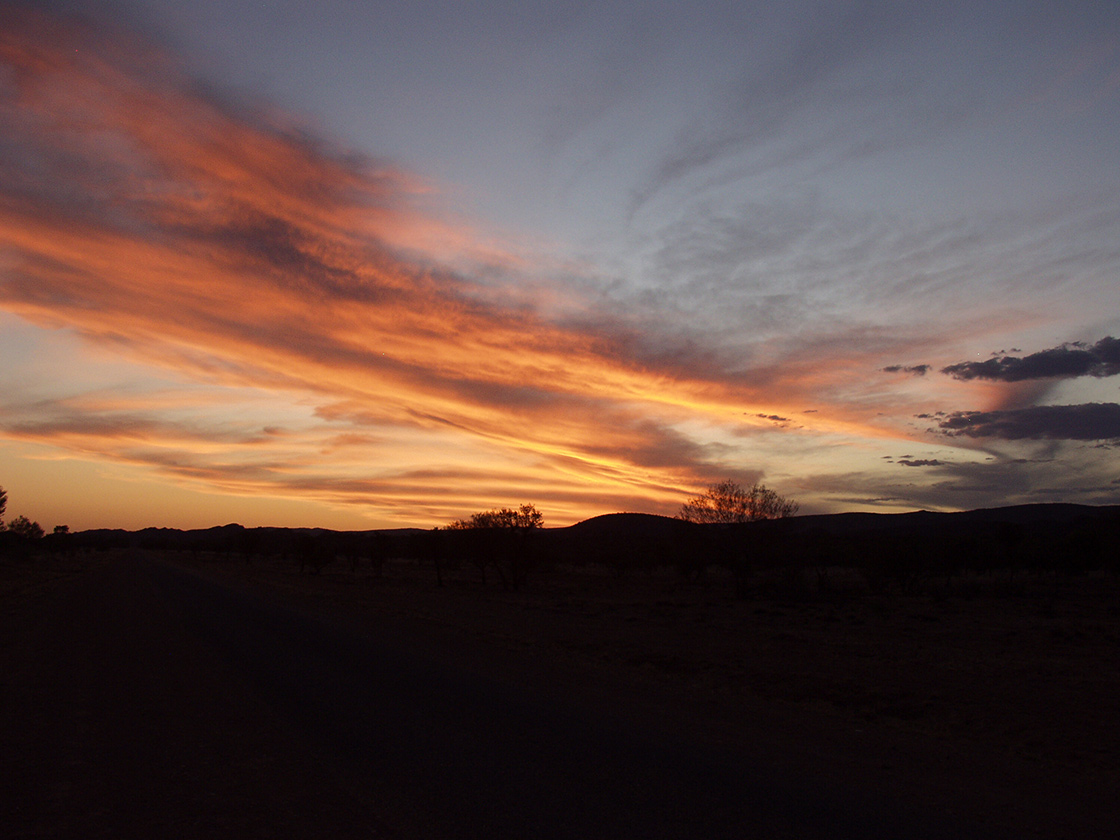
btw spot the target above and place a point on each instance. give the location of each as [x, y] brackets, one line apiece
[546, 526]
[357, 268]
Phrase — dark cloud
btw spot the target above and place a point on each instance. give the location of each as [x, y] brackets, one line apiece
[654, 445]
[921, 462]
[1066, 362]
[1090, 421]
[263, 242]
[914, 370]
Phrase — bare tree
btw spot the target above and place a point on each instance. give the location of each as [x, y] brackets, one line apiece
[728, 502]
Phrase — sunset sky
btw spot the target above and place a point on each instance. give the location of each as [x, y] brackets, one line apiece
[376, 264]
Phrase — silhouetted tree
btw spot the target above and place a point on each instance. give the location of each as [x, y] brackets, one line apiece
[24, 527]
[499, 539]
[526, 516]
[3, 505]
[59, 541]
[372, 546]
[428, 546]
[314, 550]
[728, 502]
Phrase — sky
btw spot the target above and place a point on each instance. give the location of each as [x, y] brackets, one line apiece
[380, 264]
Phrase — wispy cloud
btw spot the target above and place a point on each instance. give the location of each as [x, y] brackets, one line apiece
[221, 242]
[1072, 472]
[913, 370]
[322, 329]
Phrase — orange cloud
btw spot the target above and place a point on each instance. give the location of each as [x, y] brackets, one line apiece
[228, 246]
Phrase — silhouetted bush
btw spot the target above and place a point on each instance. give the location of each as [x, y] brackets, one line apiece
[24, 527]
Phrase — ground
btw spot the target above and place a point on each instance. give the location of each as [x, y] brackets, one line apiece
[992, 701]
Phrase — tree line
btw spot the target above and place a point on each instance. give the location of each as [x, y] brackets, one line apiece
[748, 535]
[21, 527]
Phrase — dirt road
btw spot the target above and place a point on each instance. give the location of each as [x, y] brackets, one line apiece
[140, 699]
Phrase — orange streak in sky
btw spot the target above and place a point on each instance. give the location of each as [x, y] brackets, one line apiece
[227, 246]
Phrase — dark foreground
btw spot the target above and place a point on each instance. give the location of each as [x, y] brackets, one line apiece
[141, 699]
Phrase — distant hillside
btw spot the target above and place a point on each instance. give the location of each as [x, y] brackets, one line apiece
[626, 523]
[891, 546]
[1032, 515]
[646, 526]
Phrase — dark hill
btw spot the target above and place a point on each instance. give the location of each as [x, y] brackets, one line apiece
[1042, 536]
[611, 524]
[1037, 515]
[895, 546]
